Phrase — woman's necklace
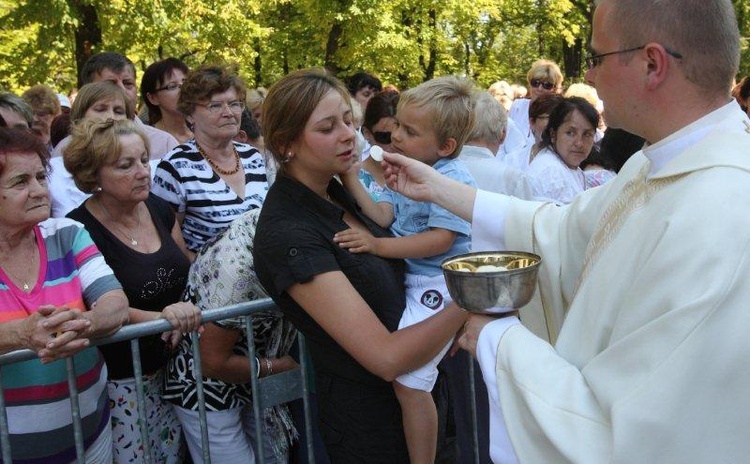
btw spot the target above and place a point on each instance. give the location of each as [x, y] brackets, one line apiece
[216, 166]
[129, 236]
[24, 283]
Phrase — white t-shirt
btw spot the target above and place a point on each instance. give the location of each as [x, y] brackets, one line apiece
[553, 180]
[492, 174]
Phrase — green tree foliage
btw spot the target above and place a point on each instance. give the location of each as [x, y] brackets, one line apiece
[403, 41]
[742, 7]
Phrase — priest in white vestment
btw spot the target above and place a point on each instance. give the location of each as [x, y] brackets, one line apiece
[642, 291]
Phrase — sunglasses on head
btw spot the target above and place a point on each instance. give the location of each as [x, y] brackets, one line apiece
[536, 83]
[382, 137]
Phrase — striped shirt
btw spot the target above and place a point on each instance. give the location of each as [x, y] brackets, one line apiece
[73, 274]
[187, 182]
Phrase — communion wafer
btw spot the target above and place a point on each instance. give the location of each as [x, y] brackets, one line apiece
[376, 153]
[490, 268]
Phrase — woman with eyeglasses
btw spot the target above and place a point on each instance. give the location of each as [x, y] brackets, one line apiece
[160, 88]
[544, 78]
[211, 180]
[379, 122]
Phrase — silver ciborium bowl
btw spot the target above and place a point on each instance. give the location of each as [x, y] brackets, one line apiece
[491, 282]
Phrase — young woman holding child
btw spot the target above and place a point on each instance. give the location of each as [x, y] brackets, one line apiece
[348, 305]
[432, 122]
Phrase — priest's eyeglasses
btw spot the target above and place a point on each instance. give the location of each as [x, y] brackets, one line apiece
[593, 61]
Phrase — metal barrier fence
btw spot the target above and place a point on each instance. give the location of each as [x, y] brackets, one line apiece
[268, 391]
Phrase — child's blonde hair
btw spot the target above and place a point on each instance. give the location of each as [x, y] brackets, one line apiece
[450, 100]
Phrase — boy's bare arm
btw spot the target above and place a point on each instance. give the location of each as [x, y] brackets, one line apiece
[381, 213]
[430, 243]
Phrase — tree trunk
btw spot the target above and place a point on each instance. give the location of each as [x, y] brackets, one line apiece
[428, 65]
[257, 65]
[467, 59]
[433, 44]
[332, 46]
[542, 6]
[572, 58]
[88, 33]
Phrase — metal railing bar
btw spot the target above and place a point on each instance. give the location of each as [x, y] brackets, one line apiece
[254, 387]
[198, 372]
[279, 388]
[4, 437]
[264, 398]
[473, 403]
[157, 326]
[306, 398]
[75, 411]
[140, 394]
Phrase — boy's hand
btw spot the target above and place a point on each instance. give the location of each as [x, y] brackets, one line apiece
[350, 177]
[357, 241]
[352, 173]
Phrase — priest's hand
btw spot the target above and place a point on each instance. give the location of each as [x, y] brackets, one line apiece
[410, 177]
[471, 330]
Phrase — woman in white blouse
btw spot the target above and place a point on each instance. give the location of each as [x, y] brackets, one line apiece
[544, 78]
[566, 142]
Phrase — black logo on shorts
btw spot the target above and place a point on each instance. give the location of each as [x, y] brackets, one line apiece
[432, 299]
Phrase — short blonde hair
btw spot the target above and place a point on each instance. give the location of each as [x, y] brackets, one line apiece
[586, 92]
[89, 94]
[94, 144]
[500, 88]
[42, 99]
[255, 98]
[545, 69]
[490, 119]
[503, 93]
[450, 100]
[358, 115]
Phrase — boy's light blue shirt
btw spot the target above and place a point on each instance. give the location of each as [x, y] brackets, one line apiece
[413, 217]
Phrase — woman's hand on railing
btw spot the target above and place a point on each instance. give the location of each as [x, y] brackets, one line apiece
[184, 317]
[53, 332]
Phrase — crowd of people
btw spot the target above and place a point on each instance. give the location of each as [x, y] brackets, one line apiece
[339, 199]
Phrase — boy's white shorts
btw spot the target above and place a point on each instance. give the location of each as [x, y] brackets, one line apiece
[425, 297]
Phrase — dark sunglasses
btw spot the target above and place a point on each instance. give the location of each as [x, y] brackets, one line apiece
[382, 137]
[536, 83]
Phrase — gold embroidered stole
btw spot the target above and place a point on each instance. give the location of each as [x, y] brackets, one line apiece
[633, 196]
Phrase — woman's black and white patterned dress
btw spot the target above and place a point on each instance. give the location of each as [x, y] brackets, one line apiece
[223, 274]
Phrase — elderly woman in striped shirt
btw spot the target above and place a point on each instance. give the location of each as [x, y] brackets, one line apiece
[56, 293]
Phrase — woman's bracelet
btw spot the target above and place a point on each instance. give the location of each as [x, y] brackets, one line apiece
[257, 368]
[269, 367]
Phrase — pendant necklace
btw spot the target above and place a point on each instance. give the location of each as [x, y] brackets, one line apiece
[216, 167]
[131, 236]
[24, 284]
